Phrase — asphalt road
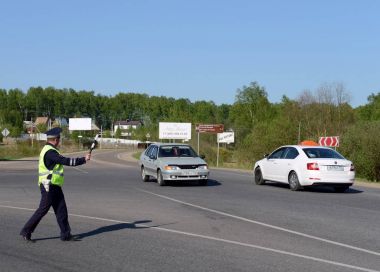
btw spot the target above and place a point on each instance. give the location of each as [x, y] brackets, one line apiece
[229, 225]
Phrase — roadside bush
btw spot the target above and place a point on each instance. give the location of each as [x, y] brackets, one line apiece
[210, 153]
[361, 144]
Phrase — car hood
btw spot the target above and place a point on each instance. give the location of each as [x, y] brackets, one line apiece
[182, 160]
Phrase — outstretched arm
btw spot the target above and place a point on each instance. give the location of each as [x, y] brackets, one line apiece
[52, 158]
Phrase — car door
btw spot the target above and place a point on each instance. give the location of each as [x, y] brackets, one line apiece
[144, 159]
[272, 165]
[150, 161]
[287, 163]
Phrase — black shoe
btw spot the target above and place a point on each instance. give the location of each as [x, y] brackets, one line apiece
[71, 238]
[28, 239]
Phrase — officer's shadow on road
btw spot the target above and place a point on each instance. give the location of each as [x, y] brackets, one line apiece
[115, 227]
[105, 229]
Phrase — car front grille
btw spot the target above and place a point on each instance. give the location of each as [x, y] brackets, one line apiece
[188, 166]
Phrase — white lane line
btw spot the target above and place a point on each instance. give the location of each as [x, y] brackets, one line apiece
[113, 163]
[214, 239]
[221, 172]
[263, 224]
[79, 170]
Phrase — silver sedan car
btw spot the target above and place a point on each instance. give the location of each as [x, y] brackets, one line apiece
[172, 162]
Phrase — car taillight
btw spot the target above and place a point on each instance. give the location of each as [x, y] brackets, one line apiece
[352, 167]
[312, 166]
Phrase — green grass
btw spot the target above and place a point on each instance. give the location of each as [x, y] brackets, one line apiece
[17, 151]
[14, 151]
[137, 155]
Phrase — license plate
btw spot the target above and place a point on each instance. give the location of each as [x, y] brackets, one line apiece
[335, 168]
[188, 173]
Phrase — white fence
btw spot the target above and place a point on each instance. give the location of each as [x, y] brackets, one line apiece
[112, 142]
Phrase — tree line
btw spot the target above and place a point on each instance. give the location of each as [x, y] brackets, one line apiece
[259, 125]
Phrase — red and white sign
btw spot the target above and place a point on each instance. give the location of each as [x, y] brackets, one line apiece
[329, 141]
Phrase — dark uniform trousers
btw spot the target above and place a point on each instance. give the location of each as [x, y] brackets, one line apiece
[54, 198]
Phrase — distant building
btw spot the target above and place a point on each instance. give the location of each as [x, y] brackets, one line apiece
[126, 127]
[42, 121]
[28, 126]
[31, 127]
[94, 127]
[60, 122]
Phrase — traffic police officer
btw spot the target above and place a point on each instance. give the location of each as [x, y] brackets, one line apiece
[50, 182]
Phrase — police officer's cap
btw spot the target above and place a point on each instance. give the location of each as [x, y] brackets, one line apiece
[53, 133]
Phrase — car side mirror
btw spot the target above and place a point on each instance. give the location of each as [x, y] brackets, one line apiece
[202, 157]
[266, 155]
[152, 157]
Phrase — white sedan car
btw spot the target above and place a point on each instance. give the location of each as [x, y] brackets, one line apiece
[301, 166]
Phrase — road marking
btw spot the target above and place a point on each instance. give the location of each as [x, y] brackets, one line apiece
[80, 170]
[112, 163]
[263, 224]
[213, 239]
[231, 172]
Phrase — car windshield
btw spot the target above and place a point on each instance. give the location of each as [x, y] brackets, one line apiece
[323, 153]
[176, 151]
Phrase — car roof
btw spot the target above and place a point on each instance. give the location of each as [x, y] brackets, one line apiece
[307, 146]
[169, 144]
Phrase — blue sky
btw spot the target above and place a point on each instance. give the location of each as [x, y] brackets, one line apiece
[201, 50]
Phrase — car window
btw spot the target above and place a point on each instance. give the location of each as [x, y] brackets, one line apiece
[277, 154]
[153, 152]
[187, 151]
[147, 151]
[176, 151]
[325, 153]
[291, 153]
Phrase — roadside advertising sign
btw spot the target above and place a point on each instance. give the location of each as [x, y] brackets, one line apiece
[209, 128]
[226, 137]
[332, 141]
[79, 123]
[179, 131]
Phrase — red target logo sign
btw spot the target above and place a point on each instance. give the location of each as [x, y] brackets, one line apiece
[329, 141]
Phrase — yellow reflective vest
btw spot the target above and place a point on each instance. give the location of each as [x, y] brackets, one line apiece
[43, 173]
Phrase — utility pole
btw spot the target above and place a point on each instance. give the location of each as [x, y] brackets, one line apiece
[299, 133]
[32, 126]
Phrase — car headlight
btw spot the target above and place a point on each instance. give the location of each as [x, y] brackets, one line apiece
[202, 167]
[171, 167]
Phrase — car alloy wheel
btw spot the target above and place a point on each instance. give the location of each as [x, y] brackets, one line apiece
[259, 177]
[293, 182]
[160, 179]
[144, 177]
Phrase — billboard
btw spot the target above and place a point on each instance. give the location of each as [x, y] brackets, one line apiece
[179, 131]
[79, 124]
